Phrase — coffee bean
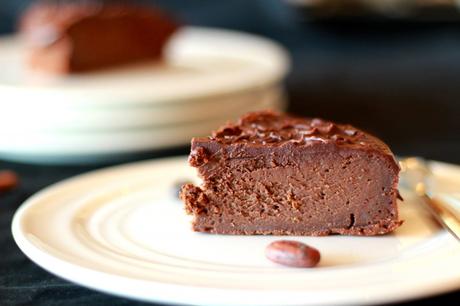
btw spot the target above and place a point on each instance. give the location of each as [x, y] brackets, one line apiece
[292, 254]
[8, 180]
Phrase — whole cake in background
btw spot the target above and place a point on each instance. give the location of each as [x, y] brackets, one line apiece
[65, 37]
[270, 173]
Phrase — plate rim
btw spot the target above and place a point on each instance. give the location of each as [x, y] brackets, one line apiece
[32, 252]
[279, 54]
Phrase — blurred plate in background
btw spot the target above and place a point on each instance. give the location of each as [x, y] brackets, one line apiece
[434, 10]
[209, 76]
[98, 144]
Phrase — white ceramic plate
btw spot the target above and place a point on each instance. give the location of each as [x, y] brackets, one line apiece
[94, 120]
[207, 75]
[57, 146]
[122, 231]
[199, 63]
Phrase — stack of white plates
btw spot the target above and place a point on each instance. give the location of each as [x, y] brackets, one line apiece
[209, 77]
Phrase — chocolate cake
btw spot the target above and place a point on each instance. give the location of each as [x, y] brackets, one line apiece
[64, 37]
[274, 174]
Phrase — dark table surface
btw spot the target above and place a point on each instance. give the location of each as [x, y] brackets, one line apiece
[396, 78]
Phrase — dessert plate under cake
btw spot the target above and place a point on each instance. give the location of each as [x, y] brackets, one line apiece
[123, 231]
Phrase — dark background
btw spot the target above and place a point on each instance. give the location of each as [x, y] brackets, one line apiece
[398, 78]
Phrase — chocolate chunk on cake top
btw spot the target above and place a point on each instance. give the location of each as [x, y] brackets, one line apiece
[273, 174]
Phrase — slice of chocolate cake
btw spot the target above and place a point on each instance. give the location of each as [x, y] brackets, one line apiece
[274, 174]
[64, 37]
